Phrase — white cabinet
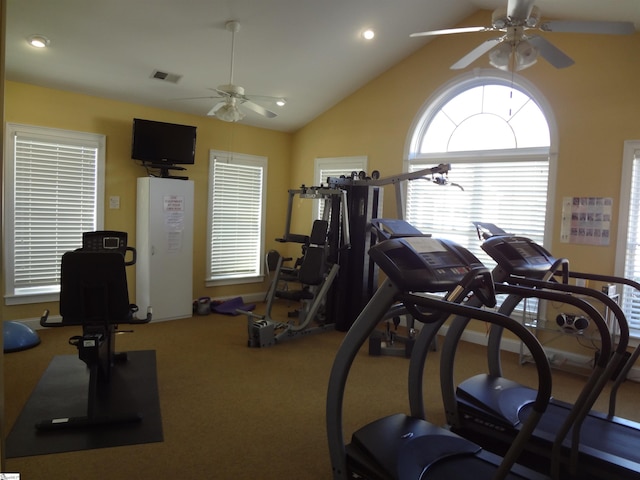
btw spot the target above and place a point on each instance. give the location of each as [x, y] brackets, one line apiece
[164, 244]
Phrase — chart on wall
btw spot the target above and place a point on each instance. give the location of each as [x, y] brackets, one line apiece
[174, 221]
[586, 220]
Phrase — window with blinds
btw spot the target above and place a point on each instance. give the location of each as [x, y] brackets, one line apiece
[495, 136]
[628, 247]
[54, 190]
[335, 167]
[236, 217]
[509, 194]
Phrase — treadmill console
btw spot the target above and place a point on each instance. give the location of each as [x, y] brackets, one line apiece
[520, 255]
[424, 264]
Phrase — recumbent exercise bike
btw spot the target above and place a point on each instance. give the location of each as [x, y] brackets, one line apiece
[94, 294]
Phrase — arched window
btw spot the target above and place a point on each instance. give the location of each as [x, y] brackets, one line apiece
[497, 133]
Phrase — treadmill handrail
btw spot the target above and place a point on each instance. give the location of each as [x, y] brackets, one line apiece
[610, 365]
[636, 352]
[362, 328]
[621, 319]
[459, 323]
[602, 371]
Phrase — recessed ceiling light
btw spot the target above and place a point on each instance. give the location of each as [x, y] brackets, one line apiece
[281, 102]
[368, 34]
[38, 41]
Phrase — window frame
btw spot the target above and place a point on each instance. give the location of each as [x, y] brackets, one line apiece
[456, 86]
[49, 293]
[630, 161]
[240, 159]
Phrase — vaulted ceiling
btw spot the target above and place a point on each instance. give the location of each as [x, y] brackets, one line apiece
[309, 52]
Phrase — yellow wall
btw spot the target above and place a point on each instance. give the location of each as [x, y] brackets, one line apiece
[33, 105]
[595, 104]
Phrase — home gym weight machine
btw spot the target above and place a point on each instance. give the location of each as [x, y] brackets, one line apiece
[358, 279]
[365, 196]
[353, 209]
[313, 273]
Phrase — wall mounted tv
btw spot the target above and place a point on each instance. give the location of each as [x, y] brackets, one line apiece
[162, 145]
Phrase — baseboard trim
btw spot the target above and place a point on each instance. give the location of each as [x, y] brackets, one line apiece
[556, 356]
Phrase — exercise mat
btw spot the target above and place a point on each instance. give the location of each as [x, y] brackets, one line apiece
[231, 306]
[63, 392]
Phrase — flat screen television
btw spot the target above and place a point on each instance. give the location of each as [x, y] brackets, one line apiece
[163, 145]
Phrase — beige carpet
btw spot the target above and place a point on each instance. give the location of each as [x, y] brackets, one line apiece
[233, 412]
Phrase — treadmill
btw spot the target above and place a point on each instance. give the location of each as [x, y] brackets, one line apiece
[571, 441]
[401, 446]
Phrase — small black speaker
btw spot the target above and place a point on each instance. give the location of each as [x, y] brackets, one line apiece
[572, 323]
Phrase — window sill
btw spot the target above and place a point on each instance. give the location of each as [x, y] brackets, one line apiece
[233, 281]
[26, 299]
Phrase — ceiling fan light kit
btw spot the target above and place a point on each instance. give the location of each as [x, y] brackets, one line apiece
[232, 97]
[229, 112]
[515, 50]
[509, 57]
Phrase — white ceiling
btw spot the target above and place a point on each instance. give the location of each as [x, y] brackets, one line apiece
[308, 51]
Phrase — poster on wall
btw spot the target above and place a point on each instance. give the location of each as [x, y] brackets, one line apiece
[174, 221]
[586, 220]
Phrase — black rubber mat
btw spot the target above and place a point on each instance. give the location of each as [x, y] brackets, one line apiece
[62, 392]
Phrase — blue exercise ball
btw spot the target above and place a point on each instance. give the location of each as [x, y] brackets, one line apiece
[18, 336]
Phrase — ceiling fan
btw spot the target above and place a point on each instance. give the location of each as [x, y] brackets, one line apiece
[233, 97]
[516, 49]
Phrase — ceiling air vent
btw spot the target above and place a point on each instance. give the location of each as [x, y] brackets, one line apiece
[166, 77]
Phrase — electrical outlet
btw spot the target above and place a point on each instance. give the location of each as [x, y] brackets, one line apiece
[114, 202]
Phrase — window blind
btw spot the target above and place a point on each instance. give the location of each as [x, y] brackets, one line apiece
[630, 296]
[335, 167]
[55, 201]
[509, 194]
[236, 212]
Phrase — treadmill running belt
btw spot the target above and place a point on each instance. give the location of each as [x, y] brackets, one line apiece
[407, 447]
[499, 401]
[602, 436]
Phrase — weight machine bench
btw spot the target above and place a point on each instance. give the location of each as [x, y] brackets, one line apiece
[314, 276]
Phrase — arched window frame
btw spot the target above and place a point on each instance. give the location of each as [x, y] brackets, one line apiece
[455, 87]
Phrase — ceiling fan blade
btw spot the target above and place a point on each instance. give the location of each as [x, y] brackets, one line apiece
[550, 52]
[519, 10]
[448, 31]
[610, 28]
[265, 98]
[196, 98]
[258, 109]
[476, 53]
[215, 108]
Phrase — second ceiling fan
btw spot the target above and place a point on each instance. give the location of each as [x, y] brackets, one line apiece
[233, 96]
[516, 49]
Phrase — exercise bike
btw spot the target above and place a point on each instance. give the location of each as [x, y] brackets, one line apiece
[94, 295]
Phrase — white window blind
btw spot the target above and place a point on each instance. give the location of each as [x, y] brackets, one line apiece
[54, 187]
[335, 167]
[497, 139]
[509, 194]
[236, 216]
[628, 250]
